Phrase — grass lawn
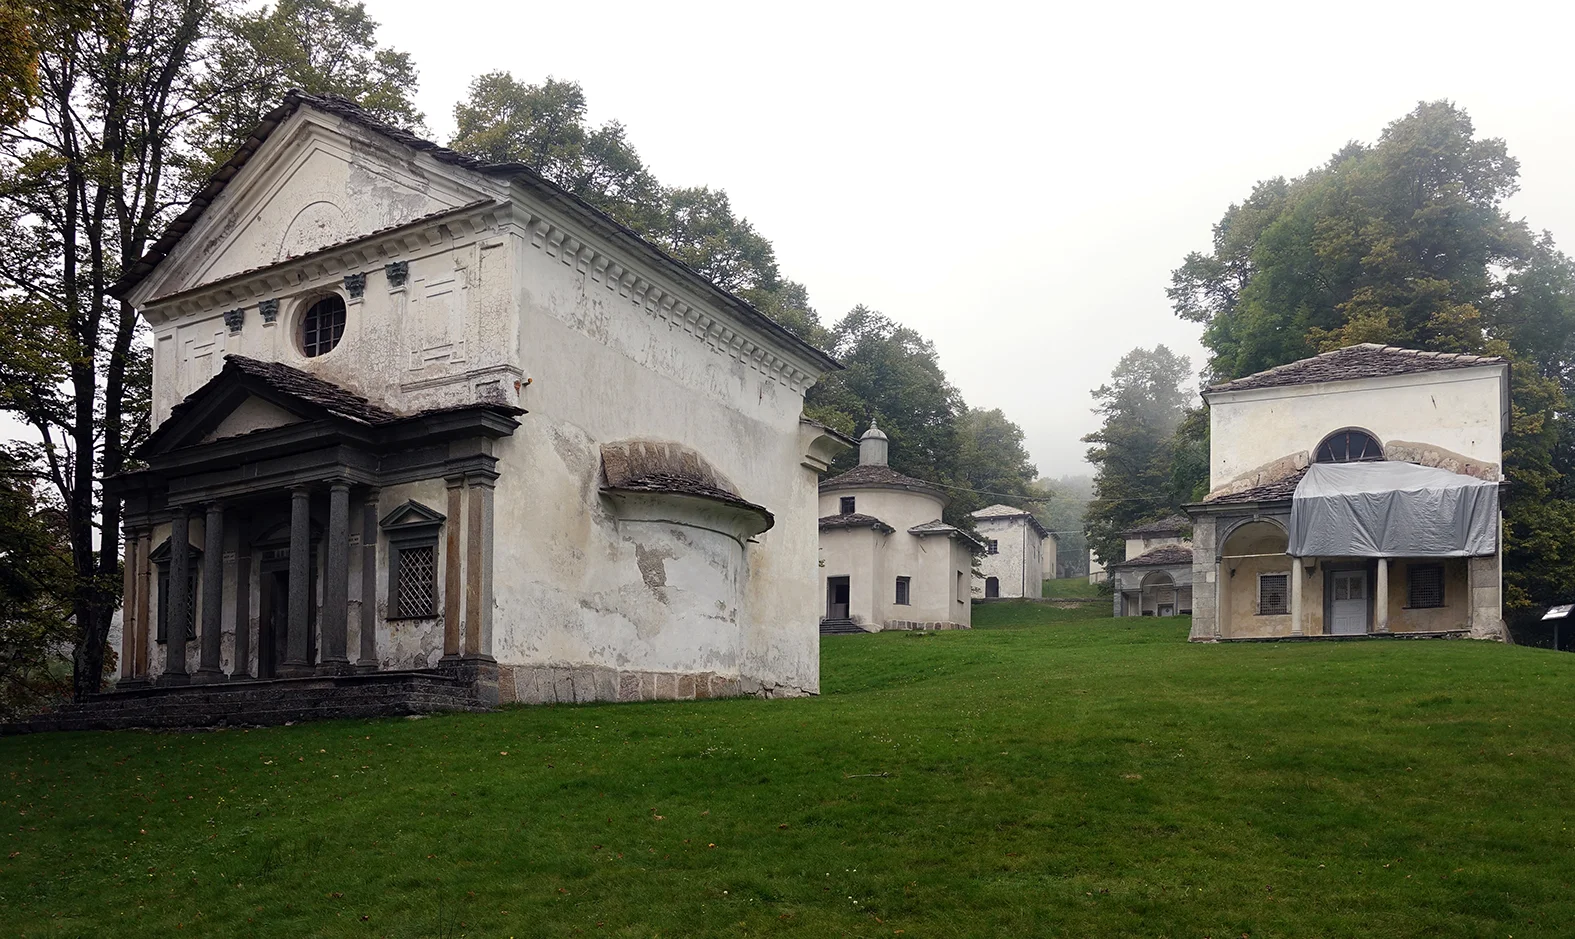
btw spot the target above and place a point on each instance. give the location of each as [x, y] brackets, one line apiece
[1048, 774]
[1073, 588]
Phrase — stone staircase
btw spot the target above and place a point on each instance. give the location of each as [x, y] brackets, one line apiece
[840, 627]
[262, 703]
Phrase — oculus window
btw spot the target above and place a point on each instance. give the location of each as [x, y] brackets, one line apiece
[322, 325]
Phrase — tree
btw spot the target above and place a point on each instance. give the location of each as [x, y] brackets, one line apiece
[1065, 502]
[24, 26]
[545, 127]
[319, 46]
[35, 588]
[893, 376]
[84, 184]
[1406, 241]
[992, 463]
[1134, 451]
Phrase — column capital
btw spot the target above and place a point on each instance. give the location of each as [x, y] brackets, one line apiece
[454, 482]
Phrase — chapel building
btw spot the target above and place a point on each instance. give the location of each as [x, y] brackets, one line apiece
[887, 560]
[1155, 578]
[1354, 493]
[420, 414]
[1018, 553]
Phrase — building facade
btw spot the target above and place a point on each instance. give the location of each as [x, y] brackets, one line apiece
[415, 411]
[1361, 427]
[1015, 553]
[1155, 579]
[887, 560]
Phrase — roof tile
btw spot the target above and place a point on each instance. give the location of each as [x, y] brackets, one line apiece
[1364, 360]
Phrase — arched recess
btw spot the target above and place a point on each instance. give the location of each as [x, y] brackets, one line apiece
[1157, 594]
[1256, 574]
[1349, 445]
[992, 587]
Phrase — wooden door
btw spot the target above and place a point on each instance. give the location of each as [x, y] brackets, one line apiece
[1348, 603]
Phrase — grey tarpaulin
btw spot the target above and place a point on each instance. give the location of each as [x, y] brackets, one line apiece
[1392, 510]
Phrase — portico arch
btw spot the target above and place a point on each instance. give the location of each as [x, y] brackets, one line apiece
[1259, 578]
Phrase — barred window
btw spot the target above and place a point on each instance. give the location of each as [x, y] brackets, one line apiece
[1425, 585]
[1274, 595]
[164, 602]
[416, 591]
[992, 546]
[847, 505]
[902, 590]
[322, 326]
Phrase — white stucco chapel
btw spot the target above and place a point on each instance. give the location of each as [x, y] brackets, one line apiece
[418, 413]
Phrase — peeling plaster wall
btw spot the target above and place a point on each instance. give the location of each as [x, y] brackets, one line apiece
[1459, 410]
[493, 310]
[1018, 563]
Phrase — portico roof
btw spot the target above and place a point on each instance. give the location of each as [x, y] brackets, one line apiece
[1166, 555]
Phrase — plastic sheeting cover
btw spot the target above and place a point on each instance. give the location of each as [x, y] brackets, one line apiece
[1377, 510]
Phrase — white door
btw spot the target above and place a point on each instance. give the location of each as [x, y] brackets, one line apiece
[1348, 607]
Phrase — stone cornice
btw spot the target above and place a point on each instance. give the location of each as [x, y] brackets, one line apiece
[329, 265]
[725, 332]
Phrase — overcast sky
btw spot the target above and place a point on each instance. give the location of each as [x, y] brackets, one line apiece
[1014, 181]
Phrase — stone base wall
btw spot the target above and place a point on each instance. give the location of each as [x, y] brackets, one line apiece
[896, 624]
[550, 684]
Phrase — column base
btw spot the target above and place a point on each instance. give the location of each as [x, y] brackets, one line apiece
[133, 684]
[367, 665]
[334, 667]
[241, 676]
[208, 676]
[168, 680]
[296, 670]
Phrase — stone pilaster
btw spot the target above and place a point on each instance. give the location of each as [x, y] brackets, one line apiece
[452, 581]
[143, 606]
[1205, 579]
[177, 604]
[368, 659]
[128, 608]
[296, 638]
[336, 582]
[478, 570]
[212, 594]
[242, 667]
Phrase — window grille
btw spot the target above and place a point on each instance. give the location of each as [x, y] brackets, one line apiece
[1349, 446]
[992, 546]
[1425, 583]
[191, 601]
[847, 505]
[902, 591]
[322, 326]
[417, 581]
[1274, 595]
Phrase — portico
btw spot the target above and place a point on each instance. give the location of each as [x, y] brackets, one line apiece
[282, 527]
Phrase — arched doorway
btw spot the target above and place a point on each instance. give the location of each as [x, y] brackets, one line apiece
[1257, 573]
[992, 588]
[1157, 595]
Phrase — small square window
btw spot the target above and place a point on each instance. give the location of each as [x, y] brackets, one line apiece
[847, 505]
[1274, 595]
[902, 590]
[1425, 586]
[992, 546]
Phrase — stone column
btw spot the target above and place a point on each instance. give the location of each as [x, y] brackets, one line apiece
[478, 571]
[1381, 598]
[144, 605]
[295, 663]
[128, 608]
[212, 594]
[368, 659]
[451, 573]
[243, 600]
[178, 602]
[1297, 627]
[336, 582]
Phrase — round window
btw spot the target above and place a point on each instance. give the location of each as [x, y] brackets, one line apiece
[323, 325]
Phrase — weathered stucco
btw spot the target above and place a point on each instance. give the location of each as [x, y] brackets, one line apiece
[1018, 564]
[873, 560]
[505, 299]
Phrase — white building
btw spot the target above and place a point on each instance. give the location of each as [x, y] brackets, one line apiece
[1155, 579]
[419, 412]
[887, 561]
[1353, 493]
[1015, 553]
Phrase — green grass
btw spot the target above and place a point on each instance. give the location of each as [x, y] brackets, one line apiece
[1047, 774]
[1073, 588]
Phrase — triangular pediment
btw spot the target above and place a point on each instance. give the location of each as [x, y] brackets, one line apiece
[316, 181]
[412, 515]
[249, 416]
